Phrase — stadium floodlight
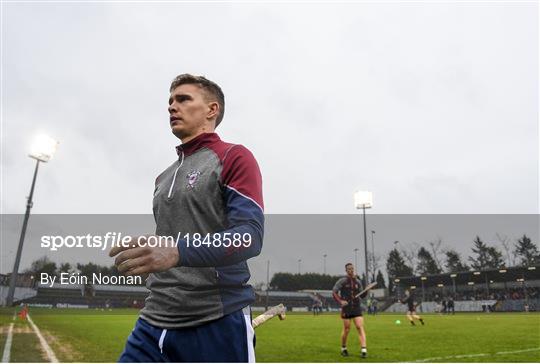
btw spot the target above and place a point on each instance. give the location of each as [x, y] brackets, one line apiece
[531, 268]
[413, 287]
[476, 273]
[440, 285]
[42, 150]
[364, 200]
[453, 275]
[470, 283]
[502, 270]
[423, 278]
[396, 280]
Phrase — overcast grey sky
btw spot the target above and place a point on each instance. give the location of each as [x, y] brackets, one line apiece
[432, 106]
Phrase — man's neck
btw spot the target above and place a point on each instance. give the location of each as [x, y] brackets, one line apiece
[188, 138]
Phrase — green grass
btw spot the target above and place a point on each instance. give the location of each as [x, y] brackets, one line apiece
[25, 345]
[98, 336]
[26, 348]
[317, 339]
[86, 335]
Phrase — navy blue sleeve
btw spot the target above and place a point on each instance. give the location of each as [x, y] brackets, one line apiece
[242, 194]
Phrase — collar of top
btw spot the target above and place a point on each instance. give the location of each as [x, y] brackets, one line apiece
[200, 141]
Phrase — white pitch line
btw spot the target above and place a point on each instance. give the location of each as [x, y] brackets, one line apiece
[50, 353]
[7, 346]
[474, 355]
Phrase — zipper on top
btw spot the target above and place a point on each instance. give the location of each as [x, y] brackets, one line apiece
[174, 177]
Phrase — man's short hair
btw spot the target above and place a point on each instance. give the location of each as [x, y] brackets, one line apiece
[346, 265]
[211, 88]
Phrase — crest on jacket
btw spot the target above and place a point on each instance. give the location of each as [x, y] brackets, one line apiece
[192, 178]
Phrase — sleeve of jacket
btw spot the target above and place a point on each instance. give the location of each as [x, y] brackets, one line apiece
[242, 194]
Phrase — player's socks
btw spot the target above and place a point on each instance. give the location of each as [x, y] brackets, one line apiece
[421, 321]
[412, 323]
[364, 352]
[344, 351]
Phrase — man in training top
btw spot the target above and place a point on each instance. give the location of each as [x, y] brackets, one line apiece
[198, 307]
[411, 308]
[345, 292]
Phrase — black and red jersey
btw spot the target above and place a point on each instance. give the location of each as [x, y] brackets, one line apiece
[346, 289]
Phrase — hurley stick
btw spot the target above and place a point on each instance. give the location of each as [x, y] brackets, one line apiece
[278, 311]
[368, 287]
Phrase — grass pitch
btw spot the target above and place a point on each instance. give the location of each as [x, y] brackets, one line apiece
[99, 336]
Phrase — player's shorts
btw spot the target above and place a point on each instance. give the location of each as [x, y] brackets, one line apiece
[351, 312]
[229, 339]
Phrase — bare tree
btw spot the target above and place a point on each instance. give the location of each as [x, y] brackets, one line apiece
[437, 251]
[374, 264]
[410, 254]
[507, 247]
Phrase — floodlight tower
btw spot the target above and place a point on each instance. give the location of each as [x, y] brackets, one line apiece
[373, 255]
[356, 261]
[364, 200]
[42, 150]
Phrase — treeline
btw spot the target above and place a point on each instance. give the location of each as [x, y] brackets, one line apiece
[436, 259]
[433, 258]
[295, 282]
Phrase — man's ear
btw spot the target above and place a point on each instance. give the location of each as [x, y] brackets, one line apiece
[213, 110]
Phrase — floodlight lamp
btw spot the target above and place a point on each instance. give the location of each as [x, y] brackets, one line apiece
[453, 275]
[423, 278]
[476, 273]
[363, 199]
[43, 148]
[502, 271]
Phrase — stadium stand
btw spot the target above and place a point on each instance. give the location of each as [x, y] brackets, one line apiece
[504, 289]
[97, 296]
[289, 299]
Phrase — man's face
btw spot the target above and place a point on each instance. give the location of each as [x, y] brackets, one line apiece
[188, 111]
[350, 270]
